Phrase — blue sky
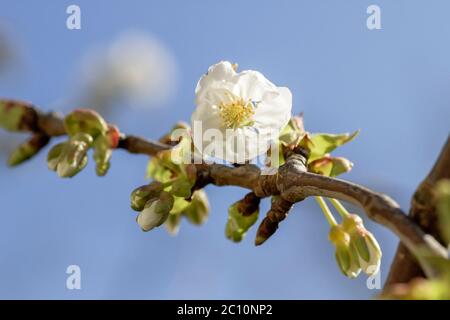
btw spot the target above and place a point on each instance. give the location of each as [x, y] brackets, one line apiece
[390, 83]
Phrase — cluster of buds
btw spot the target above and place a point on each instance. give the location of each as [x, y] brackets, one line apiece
[356, 248]
[19, 116]
[153, 203]
[86, 129]
[172, 193]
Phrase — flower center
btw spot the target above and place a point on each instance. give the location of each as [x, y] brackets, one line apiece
[237, 114]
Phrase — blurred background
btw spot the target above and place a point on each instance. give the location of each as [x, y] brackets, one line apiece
[138, 63]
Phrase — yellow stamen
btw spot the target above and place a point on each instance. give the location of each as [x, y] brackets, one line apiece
[237, 114]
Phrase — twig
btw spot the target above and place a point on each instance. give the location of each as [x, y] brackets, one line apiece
[292, 183]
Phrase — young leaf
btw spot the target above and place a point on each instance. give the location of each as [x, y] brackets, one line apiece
[323, 143]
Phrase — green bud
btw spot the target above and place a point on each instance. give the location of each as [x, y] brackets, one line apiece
[198, 209]
[54, 154]
[28, 149]
[86, 121]
[68, 169]
[155, 212]
[329, 166]
[365, 244]
[73, 157]
[102, 155]
[140, 196]
[164, 203]
[346, 255]
[181, 187]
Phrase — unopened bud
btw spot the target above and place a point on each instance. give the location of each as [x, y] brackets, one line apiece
[102, 155]
[155, 212]
[54, 154]
[365, 244]
[329, 166]
[181, 187]
[73, 157]
[140, 196]
[86, 121]
[28, 149]
[346, 256]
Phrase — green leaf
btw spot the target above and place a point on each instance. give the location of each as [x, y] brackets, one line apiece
[198, 210]
[157, 171]
[173, 223]
[179, 205]
[237, 224]
[324, 143]
[181, 187]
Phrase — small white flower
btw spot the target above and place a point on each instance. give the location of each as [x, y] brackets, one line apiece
[244, 105]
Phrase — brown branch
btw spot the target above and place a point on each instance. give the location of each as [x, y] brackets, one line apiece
[404, 266]
[139, 145]
[292, 182]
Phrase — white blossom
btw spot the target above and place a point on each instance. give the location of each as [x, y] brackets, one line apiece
[238, 114]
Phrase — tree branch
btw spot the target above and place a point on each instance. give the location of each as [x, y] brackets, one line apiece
[404, 266]
[292, 182]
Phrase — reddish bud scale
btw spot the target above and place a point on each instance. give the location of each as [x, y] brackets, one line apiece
[113, 135]
[249, 204]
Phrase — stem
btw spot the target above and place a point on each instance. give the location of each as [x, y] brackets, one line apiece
[339, 207]
[326, 211]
